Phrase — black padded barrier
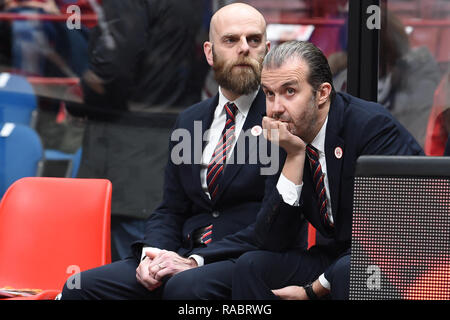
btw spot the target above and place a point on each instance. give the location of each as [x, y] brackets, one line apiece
[401, 228]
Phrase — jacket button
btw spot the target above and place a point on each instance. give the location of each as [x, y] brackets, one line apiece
[216, 214]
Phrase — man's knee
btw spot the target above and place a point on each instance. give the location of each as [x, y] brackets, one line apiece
[250, 263]
[181, 286]
[72, 289]
[209, 282]
[341, 270]
[111, 282]
[340, 280]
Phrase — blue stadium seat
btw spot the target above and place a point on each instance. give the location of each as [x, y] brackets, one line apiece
[18, 102]
[21, 153]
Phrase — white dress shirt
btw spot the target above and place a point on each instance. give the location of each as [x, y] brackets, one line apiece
[243, 104]
[212, 136]
[290, 192]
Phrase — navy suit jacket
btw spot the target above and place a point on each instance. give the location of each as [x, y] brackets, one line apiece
[186, 207]
[358, 127]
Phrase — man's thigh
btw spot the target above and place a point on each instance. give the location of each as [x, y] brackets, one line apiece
[280, 269]
[257, 273]
[211, 282]
[115, 281]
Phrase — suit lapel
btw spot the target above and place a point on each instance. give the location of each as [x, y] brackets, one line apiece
[334, 152]
[254, 117]
[205, 118]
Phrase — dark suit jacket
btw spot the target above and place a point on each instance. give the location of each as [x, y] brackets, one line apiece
[359, 128]
[185, 206]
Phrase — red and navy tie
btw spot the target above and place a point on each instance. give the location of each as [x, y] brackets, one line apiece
[206, 237]
[319, 185]
[216, 165]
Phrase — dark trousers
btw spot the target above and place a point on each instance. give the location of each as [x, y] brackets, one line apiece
[447, 147]
[338, 274]
[256, 273]
[117, 281]
[125, 231]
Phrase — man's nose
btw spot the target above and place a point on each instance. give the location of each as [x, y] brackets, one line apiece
[277, 108]
[243, 46]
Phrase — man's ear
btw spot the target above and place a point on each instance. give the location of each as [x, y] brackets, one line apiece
[267, 45]
[208, 50]
[323, 93]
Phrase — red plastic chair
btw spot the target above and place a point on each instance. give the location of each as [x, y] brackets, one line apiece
[311, 235]
[405, 8]
[437, 135]
[443, 49]
[50, 227]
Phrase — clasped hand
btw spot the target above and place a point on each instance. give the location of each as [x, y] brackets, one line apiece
[155, 267]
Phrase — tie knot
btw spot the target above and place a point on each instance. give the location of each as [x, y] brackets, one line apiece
[230, 109]
[313, 153]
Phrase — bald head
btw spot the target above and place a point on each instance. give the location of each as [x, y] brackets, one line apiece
[236, 47]
[235, 15]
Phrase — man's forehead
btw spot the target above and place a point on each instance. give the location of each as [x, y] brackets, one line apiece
[282, 76]
[238, 29]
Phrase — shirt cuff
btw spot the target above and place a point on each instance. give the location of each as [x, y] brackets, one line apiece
[289, 191]
[200, 261]
[324, 282]
[149, 249]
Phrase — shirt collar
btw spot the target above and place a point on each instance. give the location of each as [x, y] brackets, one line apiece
[243, 103]
[319, 140]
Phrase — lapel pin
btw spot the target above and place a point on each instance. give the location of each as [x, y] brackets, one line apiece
[338, 152]
[256, 130]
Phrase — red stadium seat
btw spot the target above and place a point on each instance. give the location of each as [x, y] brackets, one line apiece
[405, 8]
[443, 48]
[436, 135]
[51, 228]
[440, 9]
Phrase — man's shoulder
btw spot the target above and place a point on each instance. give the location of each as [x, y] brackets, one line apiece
[361, 104]
[361, 109]
[363, 120]
[355, 118]
[197, 110]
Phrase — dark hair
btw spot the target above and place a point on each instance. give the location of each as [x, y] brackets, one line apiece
[319, 69]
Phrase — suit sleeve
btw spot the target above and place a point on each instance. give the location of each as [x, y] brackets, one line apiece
[279, 226]
[271, 230]
[385, 136]
[232, 246]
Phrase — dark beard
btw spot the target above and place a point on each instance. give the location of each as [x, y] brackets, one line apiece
[243, 81]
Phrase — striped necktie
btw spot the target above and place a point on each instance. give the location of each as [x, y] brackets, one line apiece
[216, 165]
[319, 185]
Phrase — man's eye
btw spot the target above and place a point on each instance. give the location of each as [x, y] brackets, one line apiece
[255, 40]
[290, 91]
